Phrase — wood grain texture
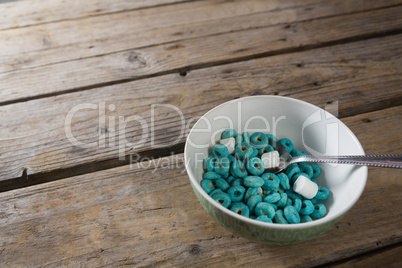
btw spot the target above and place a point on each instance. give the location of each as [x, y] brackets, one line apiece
[76, 39]
[23, 13]
[353, 74]
[148, 215]
[197, 52]
[100, 35]
[193, 53]
[164, 63]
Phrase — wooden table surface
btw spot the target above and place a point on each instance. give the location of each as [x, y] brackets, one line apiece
[94, 95]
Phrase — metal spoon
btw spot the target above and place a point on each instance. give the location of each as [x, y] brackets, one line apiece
[391, 161]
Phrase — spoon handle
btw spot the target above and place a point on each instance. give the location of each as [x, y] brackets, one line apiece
[391, 161]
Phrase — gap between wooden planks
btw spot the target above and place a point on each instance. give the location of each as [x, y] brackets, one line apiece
[199, 52]
[353, 74]
[146, 215]
[389, 257]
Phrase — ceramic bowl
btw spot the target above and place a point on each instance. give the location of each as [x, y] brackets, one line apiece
[311, 129]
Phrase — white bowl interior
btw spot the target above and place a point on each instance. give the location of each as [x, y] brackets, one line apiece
[310, 128]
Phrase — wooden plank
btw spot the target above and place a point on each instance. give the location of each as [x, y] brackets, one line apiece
[193, 53]
[100, 35]
[384, 258]
[148, 215]
[34, 143]
[76, 39]
[23, 13]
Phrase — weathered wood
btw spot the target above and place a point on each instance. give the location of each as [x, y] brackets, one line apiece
[379, 124]
[196, 52]
[100, 35]
[389, 257]
[148, 215]
[23, 13]
[345, 55]
[71, 40]
[353, 74]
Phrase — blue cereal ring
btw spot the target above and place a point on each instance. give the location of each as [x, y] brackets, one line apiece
[241, 209]
[255, 166]
[279, 191]
[266, 192]
[237, 182]
[272, 198]
[263, 218]
[236, 193]
[307, 169]
[253, 152]
[253, 201]
[210, 162]
[222, 184]
[297, 152]
[292, 170]
[231, 158]
[279, 217]
[246, 137]
[210, 175]
[207, 185]
[272, 140]
[323, 193]
[238, 169]
[223, 199]
[259, 140]
[228, 133]
[266, 149]
[243, 150]
[238, 139]
[305, 218]
[297, 203]
[319, 211]
[222, 166]
[315, 201]
[225, 175]
[217, 190]
[288, 144]
[292, 195]
[283, 201]
[307, 208]
[291, 214]
[289, 202]
[264, 208]
[283, 181]
[250, 192]
[253, 181]
[230, 179]
[220, 150]
[271, 181]
[316, 171]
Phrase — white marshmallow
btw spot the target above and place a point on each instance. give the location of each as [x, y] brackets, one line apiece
[305, 187]
[230, 143]
[260, 191]
[270, 159]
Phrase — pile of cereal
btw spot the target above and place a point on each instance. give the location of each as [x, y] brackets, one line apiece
[236, 178]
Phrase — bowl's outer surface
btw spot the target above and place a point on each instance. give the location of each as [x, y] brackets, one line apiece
[310, 128]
